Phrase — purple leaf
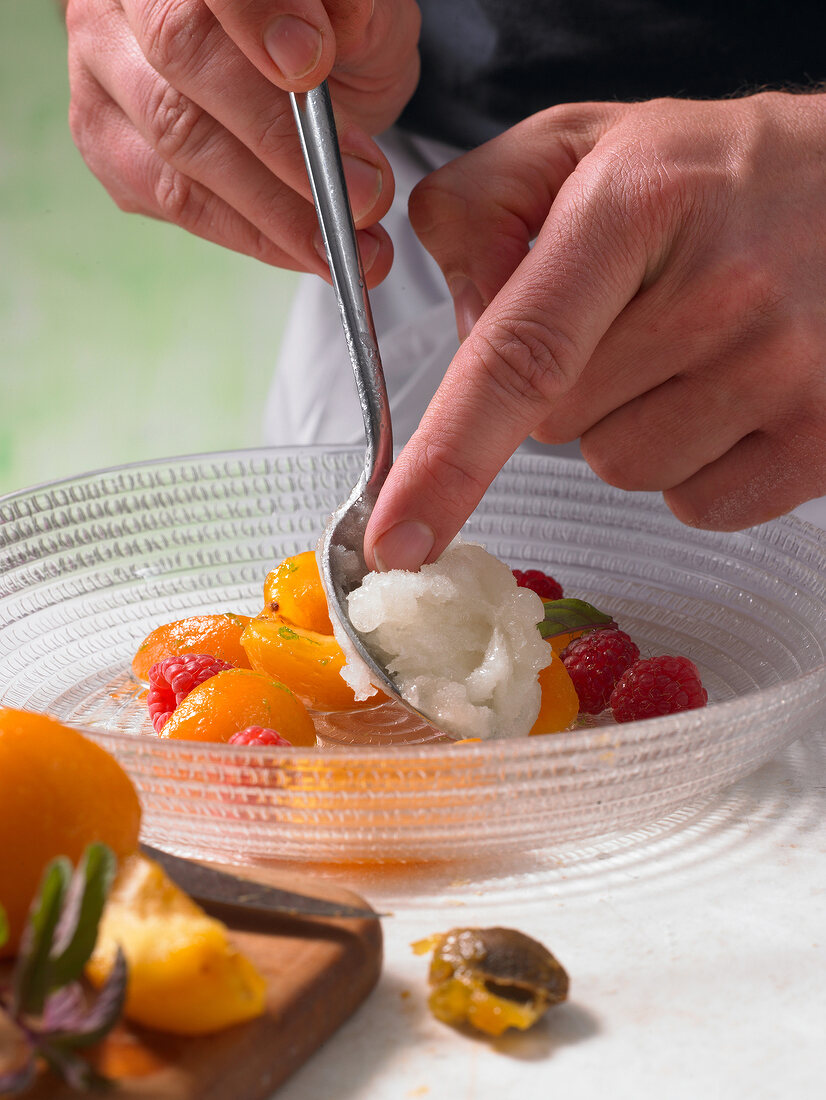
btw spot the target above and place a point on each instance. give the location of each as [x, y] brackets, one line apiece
[63, 1008]
[80, 1024]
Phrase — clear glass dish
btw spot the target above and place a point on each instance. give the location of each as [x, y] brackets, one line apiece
[91, 564]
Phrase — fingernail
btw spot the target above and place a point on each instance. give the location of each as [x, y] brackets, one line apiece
[369, 244]
[404, 546]
[467, 304]
[364, 184]
[294, 45]
[318, 245]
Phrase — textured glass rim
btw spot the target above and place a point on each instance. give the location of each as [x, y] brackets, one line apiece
[564, 744]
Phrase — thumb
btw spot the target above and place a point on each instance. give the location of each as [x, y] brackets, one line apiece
[524, 354]
[478, 214]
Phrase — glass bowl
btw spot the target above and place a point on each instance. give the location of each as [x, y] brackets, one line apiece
[91, 564]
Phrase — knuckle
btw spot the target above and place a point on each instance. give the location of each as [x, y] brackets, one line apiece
[171, 32]
[527, 360]
[175, 125]
[277, 138]
[177, 198]
[446, 475]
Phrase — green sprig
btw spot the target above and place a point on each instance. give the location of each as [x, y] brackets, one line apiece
[47, 1001]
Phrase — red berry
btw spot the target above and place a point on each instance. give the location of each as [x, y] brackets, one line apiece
[661, 685]
[258, 735]
[595, 662]
[540, 583]
[172, 679]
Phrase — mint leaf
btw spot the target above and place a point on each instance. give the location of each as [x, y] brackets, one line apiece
[75, 936]
[563, 616]
[54, 1015]
[32, 972]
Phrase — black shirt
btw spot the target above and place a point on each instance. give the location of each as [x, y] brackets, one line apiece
[486, 64]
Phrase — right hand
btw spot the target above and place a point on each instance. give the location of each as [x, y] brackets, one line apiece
[181, 111]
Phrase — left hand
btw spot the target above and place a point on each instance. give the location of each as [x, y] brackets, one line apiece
[671, 312]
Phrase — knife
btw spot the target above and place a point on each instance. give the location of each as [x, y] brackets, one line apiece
[207, 884]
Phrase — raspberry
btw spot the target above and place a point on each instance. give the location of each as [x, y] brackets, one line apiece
[172, 679]
[540, 583]
[258, 735]
[661, 685]
[595, 662]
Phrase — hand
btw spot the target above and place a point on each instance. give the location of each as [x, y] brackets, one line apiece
[180, 108]
[671, 312]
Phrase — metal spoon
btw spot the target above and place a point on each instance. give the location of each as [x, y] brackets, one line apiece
[343, 567]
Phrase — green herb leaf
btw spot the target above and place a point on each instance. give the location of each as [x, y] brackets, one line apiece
[75, 936]
[563, 616]
[32, 972]
[53, 1013]
[4, 926]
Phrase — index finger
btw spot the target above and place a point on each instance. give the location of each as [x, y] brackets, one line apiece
[525, 352]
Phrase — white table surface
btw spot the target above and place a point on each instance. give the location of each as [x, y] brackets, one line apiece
[696, 950]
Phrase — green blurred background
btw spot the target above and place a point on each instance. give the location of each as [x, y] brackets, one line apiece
[121, 338]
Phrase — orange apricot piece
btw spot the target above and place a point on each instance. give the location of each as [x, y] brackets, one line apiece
[293, 591]
[560, 703]
[310, 662]
[234, 699]
[219, 635]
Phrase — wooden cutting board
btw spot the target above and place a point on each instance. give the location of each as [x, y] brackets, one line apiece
[318, 971]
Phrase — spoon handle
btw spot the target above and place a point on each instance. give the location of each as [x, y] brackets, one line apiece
[319, 142]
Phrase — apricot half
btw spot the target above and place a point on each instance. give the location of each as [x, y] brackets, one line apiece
[219, 635]
[308, 661]
[293, 591]
[235, 699]
[560, 702]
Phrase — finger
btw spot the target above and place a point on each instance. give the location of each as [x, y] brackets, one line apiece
[377, 72]
[478, 214]
[664, 436]
[694, 318]
[189, 48]
[764, 476]
[133, 174]
[291, 42]
[197, 148]
[140, 182]
[367, 51]
[523, 355]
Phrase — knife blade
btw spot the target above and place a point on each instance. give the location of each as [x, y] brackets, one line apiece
[208, 884]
